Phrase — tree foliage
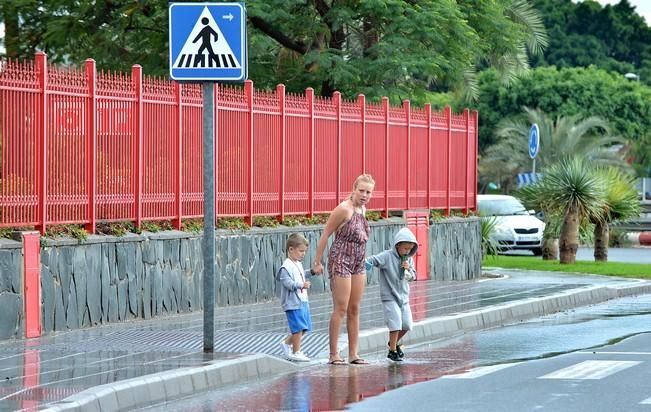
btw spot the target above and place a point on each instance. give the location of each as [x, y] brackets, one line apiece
[398, 48]
[612, 37]
[564, 136]
[623, 104]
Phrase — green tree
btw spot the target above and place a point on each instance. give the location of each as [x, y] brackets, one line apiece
[398, 48]
[624, 104]
[565, 136]
[572, 188]
[621, 203]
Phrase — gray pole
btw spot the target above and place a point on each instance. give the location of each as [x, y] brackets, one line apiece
[533, 166]
[208, 219]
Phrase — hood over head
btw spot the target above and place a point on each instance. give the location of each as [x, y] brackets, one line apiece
[405, 235]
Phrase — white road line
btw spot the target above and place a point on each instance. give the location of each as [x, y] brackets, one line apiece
[614, 353]
[647, 401]
[480, 371]
[594, 369]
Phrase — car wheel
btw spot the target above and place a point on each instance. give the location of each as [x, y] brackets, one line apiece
[537, 251]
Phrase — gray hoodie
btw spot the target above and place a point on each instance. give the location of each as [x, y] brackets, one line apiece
[393, 283]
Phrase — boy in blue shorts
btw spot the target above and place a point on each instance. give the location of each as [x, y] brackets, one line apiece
[294, 281]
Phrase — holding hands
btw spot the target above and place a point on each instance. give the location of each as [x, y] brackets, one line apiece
[317, 268]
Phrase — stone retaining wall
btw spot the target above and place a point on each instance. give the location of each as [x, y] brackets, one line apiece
[11, 290]
[111, 279]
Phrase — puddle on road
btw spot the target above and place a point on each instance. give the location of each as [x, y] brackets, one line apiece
[325, 387]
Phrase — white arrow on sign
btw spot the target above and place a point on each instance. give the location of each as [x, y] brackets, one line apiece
[228, 17]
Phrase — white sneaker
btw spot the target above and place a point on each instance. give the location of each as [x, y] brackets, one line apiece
[298, 357]
[287, 349]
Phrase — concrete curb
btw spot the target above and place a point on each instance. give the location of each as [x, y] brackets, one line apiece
[170, 385]
[165, 386]
[500, 315]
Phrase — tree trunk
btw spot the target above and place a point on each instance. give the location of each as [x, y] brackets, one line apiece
[569, 240]
[550, 249]
[601, 235]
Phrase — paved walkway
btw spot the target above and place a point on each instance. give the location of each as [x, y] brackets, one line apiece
[126, 365]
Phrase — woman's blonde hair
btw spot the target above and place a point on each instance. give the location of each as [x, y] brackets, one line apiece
[366, 178]
[295, 240]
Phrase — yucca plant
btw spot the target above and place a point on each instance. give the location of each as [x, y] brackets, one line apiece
[621, 203]
[573, 188]
[488, 245]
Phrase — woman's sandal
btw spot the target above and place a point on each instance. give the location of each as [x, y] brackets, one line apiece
[337, 360]
[358, 361]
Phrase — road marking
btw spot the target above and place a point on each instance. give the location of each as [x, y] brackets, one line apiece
[480, 371]
[647, 401]
[595, 369]
[615, 353]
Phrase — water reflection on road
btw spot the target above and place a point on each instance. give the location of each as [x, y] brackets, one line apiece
[325, 387]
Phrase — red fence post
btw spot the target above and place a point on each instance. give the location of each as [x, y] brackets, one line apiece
[385, 109]
[178, 95]
[466, 117]
[428, 113]
[337, 98]
[248, 93]
[32, 283]
[309, 97]
[91, 144]
[136, 78]
[407, 107]
[448, 117]
[41, 74]
[361, 101]
[475, 121]
[215, 101]
[280, 92]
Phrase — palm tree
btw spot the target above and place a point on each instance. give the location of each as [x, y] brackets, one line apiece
[572, 188]
[566, 136]
[622, 203]
[510, 60]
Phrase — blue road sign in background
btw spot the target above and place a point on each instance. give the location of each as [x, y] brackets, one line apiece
[534, 141]
[207, 41]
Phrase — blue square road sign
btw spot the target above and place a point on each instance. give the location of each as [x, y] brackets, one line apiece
[207, 41]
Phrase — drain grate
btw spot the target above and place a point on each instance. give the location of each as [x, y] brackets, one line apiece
[235, 342]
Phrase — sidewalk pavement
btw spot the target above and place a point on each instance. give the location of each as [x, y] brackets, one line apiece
[139, 363]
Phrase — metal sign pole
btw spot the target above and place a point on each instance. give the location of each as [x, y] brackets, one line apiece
[533, 166]
[208, 219]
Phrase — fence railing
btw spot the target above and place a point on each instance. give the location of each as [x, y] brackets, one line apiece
[82, 146]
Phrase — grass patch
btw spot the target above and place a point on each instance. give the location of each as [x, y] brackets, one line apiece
[632, 270]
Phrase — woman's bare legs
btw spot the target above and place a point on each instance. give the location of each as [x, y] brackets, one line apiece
[340, 296]
[358, 283]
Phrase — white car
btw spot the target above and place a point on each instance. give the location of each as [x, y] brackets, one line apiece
[515, 227]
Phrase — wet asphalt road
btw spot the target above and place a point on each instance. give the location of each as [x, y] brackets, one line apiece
[323, 387]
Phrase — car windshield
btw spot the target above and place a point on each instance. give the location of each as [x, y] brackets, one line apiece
[501, 207]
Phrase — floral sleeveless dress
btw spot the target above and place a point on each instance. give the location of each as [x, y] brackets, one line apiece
[348, 250]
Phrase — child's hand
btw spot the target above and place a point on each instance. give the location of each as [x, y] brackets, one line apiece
[367, 265]
[317, 268]
[405, 265]
[306, 284]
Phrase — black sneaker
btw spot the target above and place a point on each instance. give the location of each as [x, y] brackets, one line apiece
[399, 350]
[393, 355]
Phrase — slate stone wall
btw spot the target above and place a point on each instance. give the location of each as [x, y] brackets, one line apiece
[111, 279]
[11, 289]
[455, 249]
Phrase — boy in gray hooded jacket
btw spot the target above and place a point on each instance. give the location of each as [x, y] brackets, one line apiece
[396, 269]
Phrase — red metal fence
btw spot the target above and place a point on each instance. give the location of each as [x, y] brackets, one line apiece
[81, 146]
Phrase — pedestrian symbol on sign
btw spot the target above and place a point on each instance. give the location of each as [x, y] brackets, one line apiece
[206, 46]
[207, 41]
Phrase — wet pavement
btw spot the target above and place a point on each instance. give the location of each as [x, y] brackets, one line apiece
[39, 372]
[335, 388]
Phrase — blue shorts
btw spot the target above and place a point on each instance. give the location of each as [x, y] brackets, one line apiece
[299, 319]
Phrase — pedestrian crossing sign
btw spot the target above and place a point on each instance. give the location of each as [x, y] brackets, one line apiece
[207, 41]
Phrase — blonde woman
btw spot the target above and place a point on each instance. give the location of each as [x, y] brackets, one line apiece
[346, 266]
